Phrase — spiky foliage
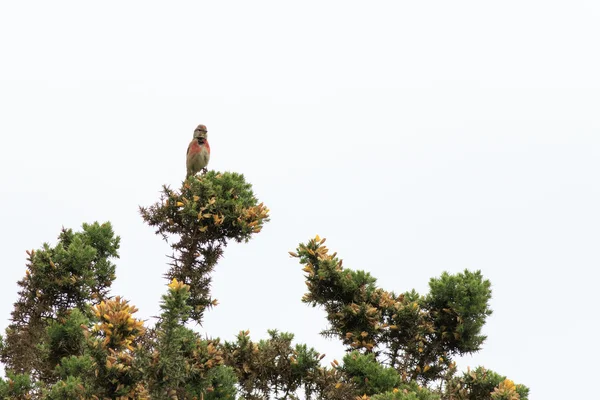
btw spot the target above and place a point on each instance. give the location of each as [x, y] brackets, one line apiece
[273, 368]
[407, 391]
[76, 272]
[16, 387]
[94, 356]
[112, 340]
[100, 363]
[350, 298]
[416, 335]
[484, 384]
[112, 356]
[506, 390]
[66, 337]
[198, 221]
[368, 375]
[183, 365]
[68, 340]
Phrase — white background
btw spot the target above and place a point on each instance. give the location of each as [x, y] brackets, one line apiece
[418, 137]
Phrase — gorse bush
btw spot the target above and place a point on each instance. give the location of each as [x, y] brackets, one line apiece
[70, 338]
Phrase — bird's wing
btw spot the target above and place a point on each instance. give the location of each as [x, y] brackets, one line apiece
[189, 147]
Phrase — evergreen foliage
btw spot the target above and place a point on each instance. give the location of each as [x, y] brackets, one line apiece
[182, 363]
[417, 335]
[483, 384]
[275, 368]
[200, 220]
[370, 376]
[69, 338]
[16, 386]
[75, 273]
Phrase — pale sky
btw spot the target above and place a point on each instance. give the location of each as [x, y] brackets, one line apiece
[418, 137]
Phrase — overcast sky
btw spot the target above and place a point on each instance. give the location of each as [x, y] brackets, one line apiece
[418, 137]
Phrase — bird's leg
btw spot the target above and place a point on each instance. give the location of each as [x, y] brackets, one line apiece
[204, 171]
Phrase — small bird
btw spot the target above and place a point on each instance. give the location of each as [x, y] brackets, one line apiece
[198, 152]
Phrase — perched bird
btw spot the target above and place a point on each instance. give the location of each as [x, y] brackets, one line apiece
[198, 152]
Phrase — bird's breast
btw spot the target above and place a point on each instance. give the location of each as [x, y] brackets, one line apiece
[199, 148]
[198, 155]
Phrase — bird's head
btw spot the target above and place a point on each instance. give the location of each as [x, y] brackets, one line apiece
[201, 133]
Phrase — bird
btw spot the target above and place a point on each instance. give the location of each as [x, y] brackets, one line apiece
[198, 152]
